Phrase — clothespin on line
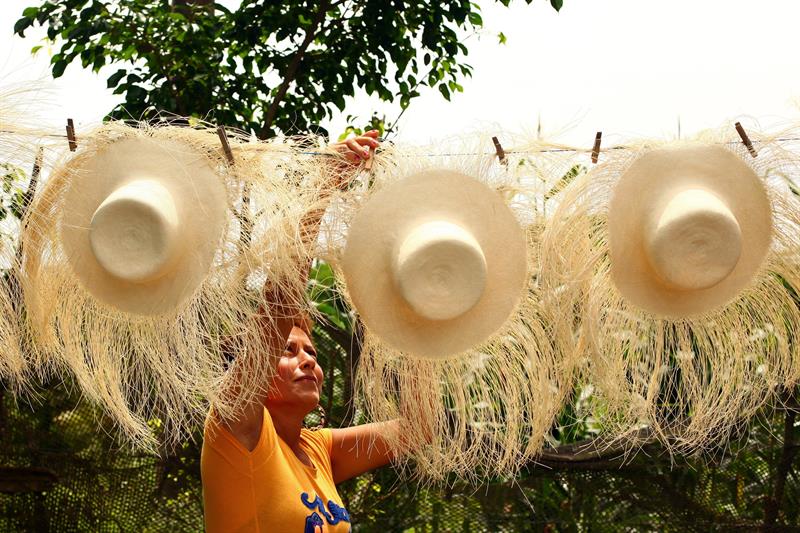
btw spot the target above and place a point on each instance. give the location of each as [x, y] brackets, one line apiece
[596, 148]
[226, 147]
[370, 159]
[71, 141]
[498, 148]
[27, 196]
[746, 140]
[37, 163]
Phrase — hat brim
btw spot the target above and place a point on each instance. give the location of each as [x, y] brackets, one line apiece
[646, 186]
[389, 214]
[201, 201]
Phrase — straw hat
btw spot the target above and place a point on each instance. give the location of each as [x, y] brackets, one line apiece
[142, 223]
[435, 263]
[688, 229]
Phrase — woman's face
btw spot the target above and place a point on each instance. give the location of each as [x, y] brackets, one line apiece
[298, 379]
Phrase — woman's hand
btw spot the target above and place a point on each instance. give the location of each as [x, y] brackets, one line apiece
[357, 149]
[339, 173]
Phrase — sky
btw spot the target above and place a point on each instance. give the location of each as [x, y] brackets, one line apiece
[629, 68]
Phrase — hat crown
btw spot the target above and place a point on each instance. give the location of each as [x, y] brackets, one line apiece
[694, 242]
[134, 232]
[440, 270]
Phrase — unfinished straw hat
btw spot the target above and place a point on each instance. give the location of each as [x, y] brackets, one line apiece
[435, 263]
[145, 253]
[486, 410]
[688, 229]
[143, 223]
[675, 269]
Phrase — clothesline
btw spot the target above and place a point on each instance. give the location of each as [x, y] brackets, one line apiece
[555, 149]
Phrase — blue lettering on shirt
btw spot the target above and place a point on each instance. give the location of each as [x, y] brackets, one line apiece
[312, 522]
[333, 514]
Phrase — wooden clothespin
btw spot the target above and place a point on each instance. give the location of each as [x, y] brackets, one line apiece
[71, 141]
[498, 148]
[370, 159]
[37, 163]
[596, 148]
[746, 139]
[226, 147]
[27, 196]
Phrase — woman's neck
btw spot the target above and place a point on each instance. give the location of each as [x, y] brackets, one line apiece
[288, 421]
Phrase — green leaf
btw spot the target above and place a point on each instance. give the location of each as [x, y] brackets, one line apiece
[35, 49]
[501, 37]
[792, 187]
[30, 12]
[21, 25]
[322, 273]
[17, 205]
[98, 62]
[557, 4]
[59, 67]
[565, 180]
[128, 52]
[475, 19]
[445, 91]
[333, 314]
[113, 80]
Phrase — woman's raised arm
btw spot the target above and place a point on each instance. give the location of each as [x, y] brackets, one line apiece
[359, 449]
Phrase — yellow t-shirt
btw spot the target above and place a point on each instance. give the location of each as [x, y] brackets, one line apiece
[269, 489]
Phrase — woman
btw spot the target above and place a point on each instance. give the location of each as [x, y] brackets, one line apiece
[263, 471]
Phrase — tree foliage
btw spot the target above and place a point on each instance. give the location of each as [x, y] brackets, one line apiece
[266, 66]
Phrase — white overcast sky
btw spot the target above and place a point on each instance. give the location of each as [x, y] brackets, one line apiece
[630, 68]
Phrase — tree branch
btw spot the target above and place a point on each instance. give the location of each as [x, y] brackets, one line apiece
[293, 69]
[593, 450]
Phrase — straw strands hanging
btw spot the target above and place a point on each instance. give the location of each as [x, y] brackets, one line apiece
[693, 376]
[19, 139]
[485, 410]
[13, 366]
[19, 126]
[139, 349]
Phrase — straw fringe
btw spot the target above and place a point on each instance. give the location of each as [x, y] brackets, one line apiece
[487, 412]
[171, 367]
[19, 138]
[484, 412]
[693, 382]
